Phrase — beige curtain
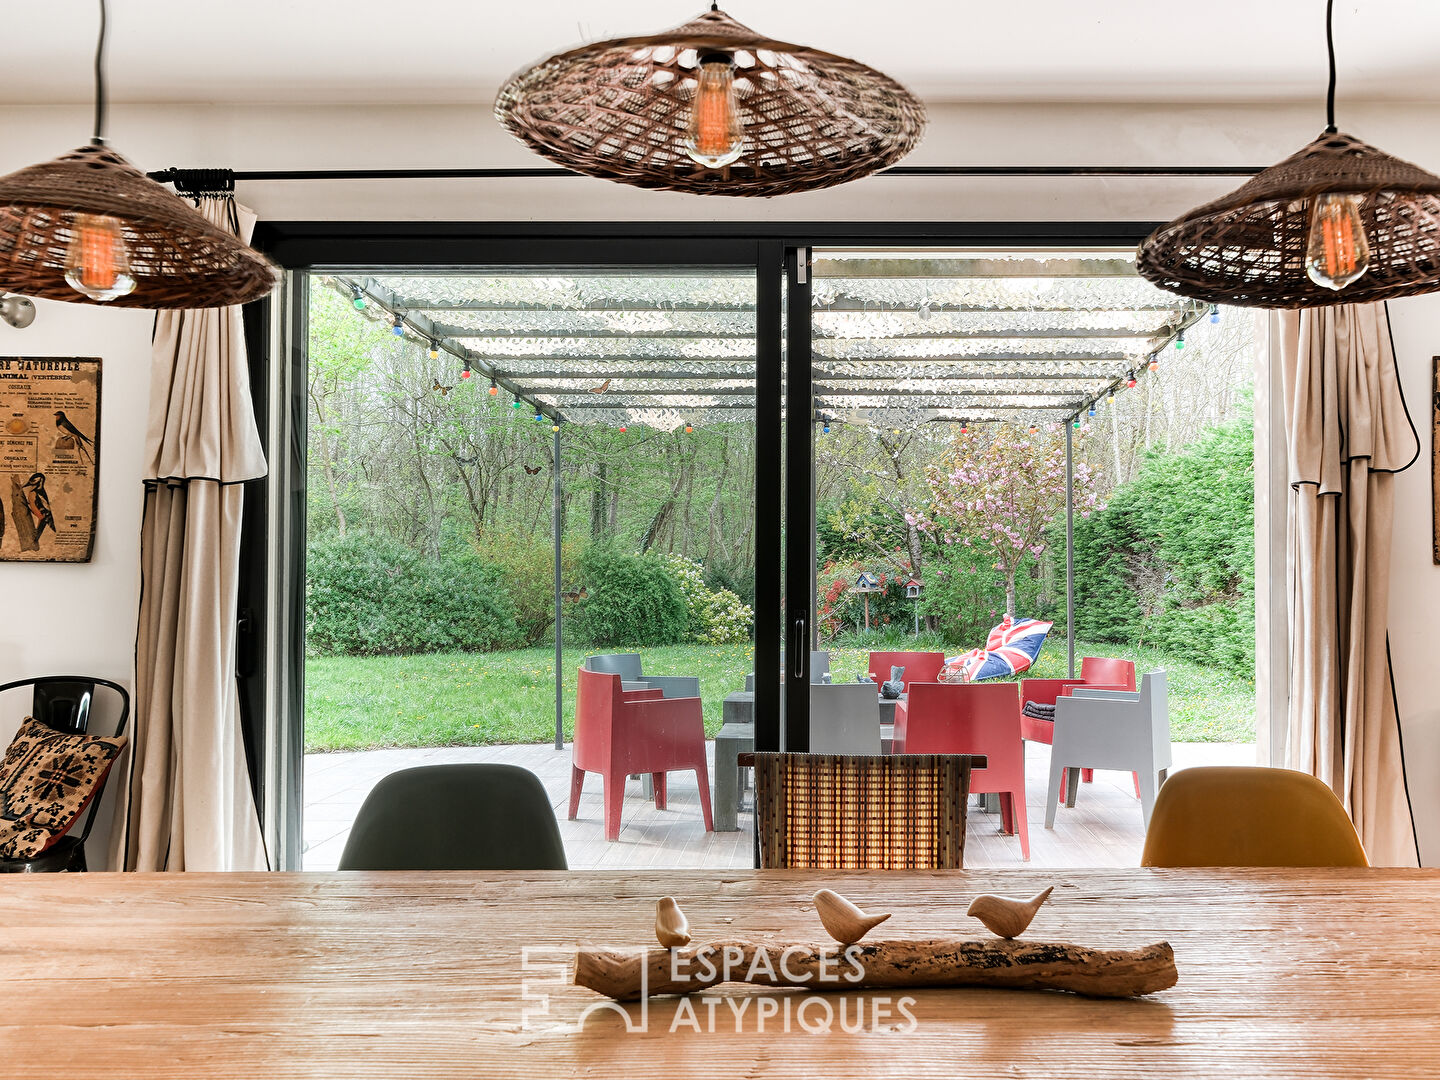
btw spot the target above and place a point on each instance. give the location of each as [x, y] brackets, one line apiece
[190, 803]
[1348, 432]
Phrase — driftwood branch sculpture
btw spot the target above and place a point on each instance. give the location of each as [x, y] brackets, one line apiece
[930, 962]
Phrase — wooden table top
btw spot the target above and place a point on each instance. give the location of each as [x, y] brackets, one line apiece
[1293, 973]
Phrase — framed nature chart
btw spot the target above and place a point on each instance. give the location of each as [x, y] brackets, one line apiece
[49, 457]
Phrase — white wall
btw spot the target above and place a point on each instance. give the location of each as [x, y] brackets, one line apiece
[68, 616]
[79, 618]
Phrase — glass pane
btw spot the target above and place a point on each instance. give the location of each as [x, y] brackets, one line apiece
[454, 418]
[947, 387]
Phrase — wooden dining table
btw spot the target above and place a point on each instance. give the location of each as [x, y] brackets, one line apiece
[1282, 973]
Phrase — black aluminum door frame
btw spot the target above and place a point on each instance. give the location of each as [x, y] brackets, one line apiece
[763, 258]
[799, 516]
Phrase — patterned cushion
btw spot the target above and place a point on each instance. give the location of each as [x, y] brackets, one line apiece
[47, 778]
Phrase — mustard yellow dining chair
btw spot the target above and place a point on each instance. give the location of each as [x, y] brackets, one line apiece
[1236, 815]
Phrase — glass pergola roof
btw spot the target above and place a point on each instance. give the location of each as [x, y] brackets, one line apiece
[898, 338]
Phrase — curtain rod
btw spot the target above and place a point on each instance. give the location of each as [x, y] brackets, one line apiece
[189, 178]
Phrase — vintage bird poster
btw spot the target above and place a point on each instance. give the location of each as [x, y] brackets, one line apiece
[49, 457]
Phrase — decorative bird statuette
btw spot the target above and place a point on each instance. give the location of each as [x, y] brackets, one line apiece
[1006, 916]
[672, 929]
[842, 920]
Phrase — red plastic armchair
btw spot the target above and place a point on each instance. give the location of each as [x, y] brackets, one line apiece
[920, 667]
[1105, 673]
[972, 718]
[619, 733]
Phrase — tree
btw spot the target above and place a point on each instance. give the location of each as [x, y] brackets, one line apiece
[341, 348]
[1000, 491]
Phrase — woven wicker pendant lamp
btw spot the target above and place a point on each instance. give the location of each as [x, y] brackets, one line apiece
[89, 227]
[1337, 211]
[712, 108]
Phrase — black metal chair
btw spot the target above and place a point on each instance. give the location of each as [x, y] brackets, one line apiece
[480, 816]
[64, 702]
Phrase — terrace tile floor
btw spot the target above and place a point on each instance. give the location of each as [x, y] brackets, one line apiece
[1103, 829]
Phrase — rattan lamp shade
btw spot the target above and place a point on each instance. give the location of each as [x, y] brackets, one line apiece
[178, 259]
[619, 109]
[1248, 248]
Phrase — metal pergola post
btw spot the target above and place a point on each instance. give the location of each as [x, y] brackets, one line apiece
[559, 672]
[1070, 544]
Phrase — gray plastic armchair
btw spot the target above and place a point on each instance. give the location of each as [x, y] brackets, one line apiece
[1113, 729]
[627, 666]
[844, 719]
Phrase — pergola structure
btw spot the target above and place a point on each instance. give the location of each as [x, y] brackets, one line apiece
[899, 339]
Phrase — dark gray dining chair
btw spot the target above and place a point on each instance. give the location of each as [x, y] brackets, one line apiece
[475, 816]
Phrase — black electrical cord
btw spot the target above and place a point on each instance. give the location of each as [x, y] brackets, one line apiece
[1330, 127]
[98, 138]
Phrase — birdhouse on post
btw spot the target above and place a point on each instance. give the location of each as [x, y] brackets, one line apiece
[867, 583]
[912, 592]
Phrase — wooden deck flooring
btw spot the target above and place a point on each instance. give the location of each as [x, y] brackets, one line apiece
[1103, 830]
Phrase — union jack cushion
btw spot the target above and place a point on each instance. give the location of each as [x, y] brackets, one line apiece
[1010, 649]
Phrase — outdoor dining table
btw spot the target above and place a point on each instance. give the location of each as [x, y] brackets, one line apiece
[1282, 973]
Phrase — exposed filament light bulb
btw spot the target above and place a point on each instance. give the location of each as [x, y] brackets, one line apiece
[97, 262]
[1338, 252]
[714, 137]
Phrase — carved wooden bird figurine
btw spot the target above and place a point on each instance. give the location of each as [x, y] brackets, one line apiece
[842, 920]
[1006, 916]
[672, 929]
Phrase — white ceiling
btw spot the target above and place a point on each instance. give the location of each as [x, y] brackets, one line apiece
[459, 51]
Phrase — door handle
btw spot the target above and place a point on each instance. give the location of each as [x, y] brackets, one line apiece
[799, 649]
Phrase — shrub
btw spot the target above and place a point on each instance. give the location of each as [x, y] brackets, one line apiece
[1170, 562]
[733, 577]
[365, 596]
[715, 616]
[727, 620]
[632, 600]
[527, 563]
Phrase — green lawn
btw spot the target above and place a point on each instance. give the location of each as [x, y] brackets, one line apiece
[475, 699]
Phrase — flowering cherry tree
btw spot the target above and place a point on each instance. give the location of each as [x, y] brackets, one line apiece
[1000, 490]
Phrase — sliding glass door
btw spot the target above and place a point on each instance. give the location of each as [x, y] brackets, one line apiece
[527, 487]
[744, 448]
